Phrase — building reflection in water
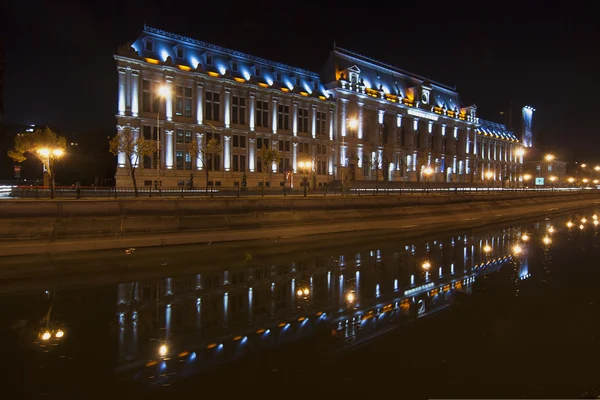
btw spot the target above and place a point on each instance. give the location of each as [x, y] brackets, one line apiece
[179, 326]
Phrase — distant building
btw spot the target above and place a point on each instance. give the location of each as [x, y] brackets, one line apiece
[358, 119]
[546, 172]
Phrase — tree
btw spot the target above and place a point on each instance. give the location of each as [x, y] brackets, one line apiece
[373, 160]
[206, 151]
[319, 147]
[45, 145]
[268, 157]
[134, 148]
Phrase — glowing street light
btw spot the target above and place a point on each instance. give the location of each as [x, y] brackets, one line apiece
[581, 227]
[594, 216]
[517, 249]
[585, 180]
[597, 168]
[547, 240]
[525, 237]
[428, 171]
[163, 350]
[520, 152]
[569, 224]
[303, 292]
[551, 229]
[59, 334]
[571, 180]
[305, 166]
[489, 176]
[46, 335]
[50, 155]
[350, 298]
[595, 222]
[426, 265]
[353, 123]
[583, 220]
[487, 248]
[549, 157]
[583, 165]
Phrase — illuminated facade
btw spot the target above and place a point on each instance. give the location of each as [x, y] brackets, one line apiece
[357, 119]
[222, 314]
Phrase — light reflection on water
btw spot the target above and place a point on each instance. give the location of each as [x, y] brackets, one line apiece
[165, 329]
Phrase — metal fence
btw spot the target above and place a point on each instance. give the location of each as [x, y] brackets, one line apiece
[72, 192]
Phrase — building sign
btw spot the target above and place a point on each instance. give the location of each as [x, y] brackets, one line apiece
[539, 181]
[423, 114]
[17, 171]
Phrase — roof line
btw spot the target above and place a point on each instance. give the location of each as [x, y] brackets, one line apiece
[171, 35]
[393, 68]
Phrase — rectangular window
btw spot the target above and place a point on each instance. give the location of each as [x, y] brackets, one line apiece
[179, 52]
[212, 106]
[179, 136]
[183, 101]
[262, 142]
[259, 164]
[303, 120]
[262, 113]
[188, 160]
[238, 110]
[239, 163]
[149, 45]
[208, 59]
[234, 66]
[242, 163]
[179, 159]
[147, 131]
[284, 164]
[258, 72]
[321, 123]
[283, 117]
[236, 160]
[188, 136]
[147, 162]
[236, 140]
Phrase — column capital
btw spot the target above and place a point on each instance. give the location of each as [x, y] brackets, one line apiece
[135, 72]
[169, 131]
[252, 95]
[295, 103]
[314, 106]
[199, 84]
[227, 90]
[251, 140]
[169, 79]
[227, 137]
[122, 70]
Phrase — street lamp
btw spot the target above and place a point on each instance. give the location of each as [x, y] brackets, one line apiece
[305, 166]
[50, 155]
[549, 157]
[428, 171]
[163, 93]
[552, 180]
[520, 152]
[489, 176]
[353, 123]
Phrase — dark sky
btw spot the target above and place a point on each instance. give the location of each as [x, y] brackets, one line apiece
[59, 66]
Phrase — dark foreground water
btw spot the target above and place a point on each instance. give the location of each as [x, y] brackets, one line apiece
[513, 312]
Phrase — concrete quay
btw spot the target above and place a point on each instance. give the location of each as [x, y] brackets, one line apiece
[45, 227]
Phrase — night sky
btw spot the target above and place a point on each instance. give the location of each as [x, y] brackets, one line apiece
[60, 71]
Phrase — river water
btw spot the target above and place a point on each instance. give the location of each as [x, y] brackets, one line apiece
[512, 312]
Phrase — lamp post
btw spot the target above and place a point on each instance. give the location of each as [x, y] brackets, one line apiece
[163, 91]
[305, 166]
[49, 155]
[526, 178]
[488, 176]
[552, 180]
[428, 171]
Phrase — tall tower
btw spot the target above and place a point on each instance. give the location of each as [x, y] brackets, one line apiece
[526, 132]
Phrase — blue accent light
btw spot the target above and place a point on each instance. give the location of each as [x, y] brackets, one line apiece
[267, 332]
[288, 83]
[269, 80]
[192, 356]
[222, 69]
[163, 365]
[307, 88]
[367, 83]
[246, 74]
[220, 347]
[194, 61]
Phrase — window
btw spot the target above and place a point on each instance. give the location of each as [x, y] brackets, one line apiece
[214, 164]
[209, 59]
[284, 145]
[148, 100]
[259, 166]
[179, 158]
[239, 163]
[262, 113]
[321, 167]
[188, 160]
[302, 119]
[212, 106]
[149, 45]
[303, 148]
[147, 162]
[238, 110]
[321, 123]
[239, 141]
[183, 101]
[278, 77]
[179, 52]
[179, 136]
[234, 66]
[284, 164]
[188, 136]
[549, 168]
[262, 142]
[283, 117]
[147, 131]
[258, 72]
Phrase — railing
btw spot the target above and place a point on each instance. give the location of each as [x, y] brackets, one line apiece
[90, 192]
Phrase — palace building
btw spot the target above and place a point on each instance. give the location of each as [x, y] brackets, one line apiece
[358, 119]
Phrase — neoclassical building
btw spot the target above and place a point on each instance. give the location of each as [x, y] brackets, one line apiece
[358, 119]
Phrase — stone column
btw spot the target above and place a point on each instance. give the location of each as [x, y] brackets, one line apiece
[169, 149]
[313, 118]
[122, 91]
[331, 119]
[274, 115]
[169, 98]
[199, 102]
[227, 153]
[227, 107]
[295, 118]
[343, 117]
[360, 120]
[121, 158]
[135, 96]
[252, 112]
[250, 304]
[199, 160]
[295, 157]
[225, 310]
[251, 153]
